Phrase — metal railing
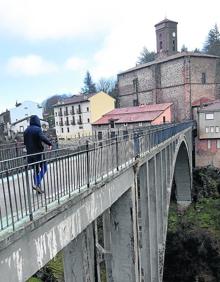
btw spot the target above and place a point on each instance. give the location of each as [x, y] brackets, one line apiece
[70, 172]
[13, 150]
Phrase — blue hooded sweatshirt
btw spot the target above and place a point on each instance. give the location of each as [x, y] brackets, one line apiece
[33, 138]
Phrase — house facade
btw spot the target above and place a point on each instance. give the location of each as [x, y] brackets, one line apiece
[208, 139]
[73, 116]
[25, 109]
[15, 120]
[19, 126]
[129, 118]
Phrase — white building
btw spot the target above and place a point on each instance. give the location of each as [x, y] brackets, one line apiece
[74, 116]
[25, 109]
[20, 125]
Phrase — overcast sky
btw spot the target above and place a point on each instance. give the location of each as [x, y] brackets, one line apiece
[46, 46]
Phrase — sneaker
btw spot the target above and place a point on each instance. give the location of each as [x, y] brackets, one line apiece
[37, 189]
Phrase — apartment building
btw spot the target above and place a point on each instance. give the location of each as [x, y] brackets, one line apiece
[74, 116]
[208, 142]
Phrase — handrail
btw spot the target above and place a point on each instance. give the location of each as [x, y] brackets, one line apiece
[70, 170]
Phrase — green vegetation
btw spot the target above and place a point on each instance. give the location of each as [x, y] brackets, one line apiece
[52, 272]
[193, 237]
[34, 279]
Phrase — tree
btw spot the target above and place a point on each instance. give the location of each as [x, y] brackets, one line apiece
[212, 44]
[146, 56]
[197, 50]
[105, 85]
[184, 48]
[89, 86]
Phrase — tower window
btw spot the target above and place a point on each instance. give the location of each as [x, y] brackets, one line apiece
[174, 47]
[161, 45]
[203, 78]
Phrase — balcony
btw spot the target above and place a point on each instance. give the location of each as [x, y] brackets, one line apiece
[61, 123]
[79, 121]
[79, 111]
[66, 113]
[67, 122]
[60, 114]
[72, 112]
[73, 122]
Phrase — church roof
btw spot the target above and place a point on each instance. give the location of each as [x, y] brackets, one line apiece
[165, 21]
[169, 58]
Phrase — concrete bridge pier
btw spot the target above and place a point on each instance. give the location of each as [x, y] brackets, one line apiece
[149, 221]
[79, 258]
[122, 239]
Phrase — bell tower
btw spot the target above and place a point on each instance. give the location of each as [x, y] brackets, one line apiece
[166, 37]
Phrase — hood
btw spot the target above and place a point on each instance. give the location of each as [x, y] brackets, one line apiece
[34, 120]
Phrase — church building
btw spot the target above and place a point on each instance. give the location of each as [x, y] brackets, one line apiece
[173, 77]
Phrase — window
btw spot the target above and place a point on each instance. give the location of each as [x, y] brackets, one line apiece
[207, 129]
[99, 135]
[56, 114]
[21, 128]
[135, 103]
[112, 134]
[112, 124]
[88, 120]
[212, 129]
[217, 129]
[79, 109]
[209, 116]
[125, 124]
[209, 144]
[174, 45]
[57, 123]
[87, 109]
[62, 130]
[135, 85]
[140, 124]
[164, 119]
[161, 45]
[203, 78]
[218, 144]
[68, 130]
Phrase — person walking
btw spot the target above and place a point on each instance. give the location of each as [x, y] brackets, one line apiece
[33, 139]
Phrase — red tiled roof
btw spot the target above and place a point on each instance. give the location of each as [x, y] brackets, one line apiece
[213, 106]
[199, 102]
[133, 114]
[74, 99]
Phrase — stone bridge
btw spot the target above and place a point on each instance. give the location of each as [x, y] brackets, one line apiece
[118, 221]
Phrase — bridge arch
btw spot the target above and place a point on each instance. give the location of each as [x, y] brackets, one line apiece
[182, 173]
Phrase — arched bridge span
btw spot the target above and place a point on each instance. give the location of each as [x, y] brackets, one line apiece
[126, 184]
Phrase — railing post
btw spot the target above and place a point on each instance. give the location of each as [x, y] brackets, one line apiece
[87, 161]
[28, 194]
[10, 200]
[116, 144]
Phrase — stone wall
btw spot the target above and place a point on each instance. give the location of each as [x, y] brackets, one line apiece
[178, 80]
